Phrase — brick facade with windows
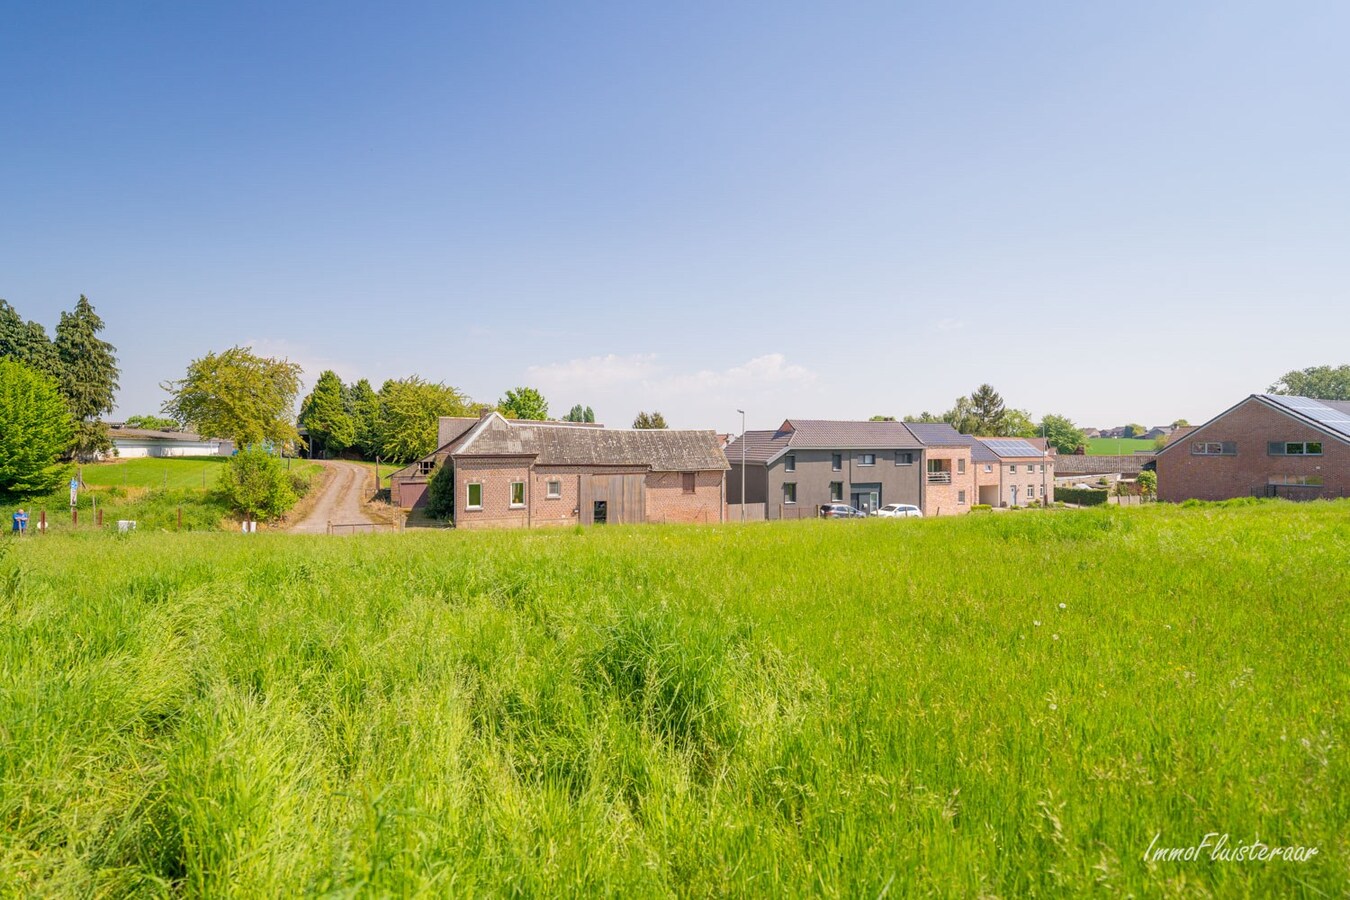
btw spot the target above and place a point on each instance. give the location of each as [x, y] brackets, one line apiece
[1231, 455]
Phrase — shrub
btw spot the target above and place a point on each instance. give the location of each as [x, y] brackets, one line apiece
[441, 493]
[256, 484]
[981, 507]
[1081, 496]
[35, 428]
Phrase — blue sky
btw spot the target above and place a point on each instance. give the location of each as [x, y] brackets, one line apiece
[1121, 213]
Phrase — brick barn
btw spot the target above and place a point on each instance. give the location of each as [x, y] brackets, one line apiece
[515, 474]
[1268, 445]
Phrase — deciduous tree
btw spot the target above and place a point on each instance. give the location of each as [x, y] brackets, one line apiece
[408, 413]
[255, 483]
[237, 395]
[35, 430]
[154, 423]
[1318, 382]
[1062, 433]
[523, 403]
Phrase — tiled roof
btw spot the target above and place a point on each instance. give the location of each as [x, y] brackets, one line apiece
[758, 446]
[824, 434]
[1074, 464]
[549, 443]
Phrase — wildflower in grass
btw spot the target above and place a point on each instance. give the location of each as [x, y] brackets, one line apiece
[1054, 637]
[1054, 706]
[1036, 622]
[1064, 606]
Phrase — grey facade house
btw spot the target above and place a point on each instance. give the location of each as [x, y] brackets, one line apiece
[806, 463]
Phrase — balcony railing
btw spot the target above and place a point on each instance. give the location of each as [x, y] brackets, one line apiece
[939, 477]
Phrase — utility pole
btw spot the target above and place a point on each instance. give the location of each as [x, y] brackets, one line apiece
[742, 412]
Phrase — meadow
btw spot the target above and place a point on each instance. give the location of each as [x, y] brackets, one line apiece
[1012, 705]
[148, 490]
[1117, 446]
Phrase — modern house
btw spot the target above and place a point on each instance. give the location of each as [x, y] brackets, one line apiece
[129, 443]
[1268, 445]
[949, 468]
[522, 474]
[806, 463]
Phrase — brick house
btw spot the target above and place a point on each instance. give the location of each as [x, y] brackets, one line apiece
[1266, 446]
[949, 468]
[518, 474]
[1014, 472]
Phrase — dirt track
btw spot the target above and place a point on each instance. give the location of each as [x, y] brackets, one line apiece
[340, 502]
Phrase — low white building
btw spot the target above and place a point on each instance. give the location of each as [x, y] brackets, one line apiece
[133, 442]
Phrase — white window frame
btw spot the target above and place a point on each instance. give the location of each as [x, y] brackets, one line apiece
[549, 493]
[511, 497]
[862, 459]
[468, 493]
[786, 485]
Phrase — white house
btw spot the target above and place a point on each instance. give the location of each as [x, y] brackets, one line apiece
[133, 442]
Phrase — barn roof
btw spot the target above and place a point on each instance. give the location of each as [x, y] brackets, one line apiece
[550, 443]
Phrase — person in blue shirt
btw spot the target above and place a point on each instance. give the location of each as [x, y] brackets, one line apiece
[20, 522]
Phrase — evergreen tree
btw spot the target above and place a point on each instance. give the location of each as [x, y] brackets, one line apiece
[650, 420]
[363, 406]
[580, 413]
[986, 407]
[27, 343]
[324, 415]
[88, 375]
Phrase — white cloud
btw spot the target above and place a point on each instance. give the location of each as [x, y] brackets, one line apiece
[618, 386]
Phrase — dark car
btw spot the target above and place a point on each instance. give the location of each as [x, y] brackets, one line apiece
[840, 511]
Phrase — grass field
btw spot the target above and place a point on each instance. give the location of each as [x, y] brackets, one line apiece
[1115, 447]
[150, 491]
[1011, 705]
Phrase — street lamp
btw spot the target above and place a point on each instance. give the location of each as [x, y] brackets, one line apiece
[742, 412]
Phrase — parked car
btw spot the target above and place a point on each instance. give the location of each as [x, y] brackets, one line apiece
[840, 511]
[898, 511]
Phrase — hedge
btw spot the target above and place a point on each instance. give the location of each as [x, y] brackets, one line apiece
[1081, 496]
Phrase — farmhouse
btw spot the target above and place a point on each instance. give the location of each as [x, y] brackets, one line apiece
[519, 474]
[130, 443]
[1267, 445]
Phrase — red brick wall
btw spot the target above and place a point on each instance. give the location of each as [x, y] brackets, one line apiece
[1252, 425]
[667, 501]
[496, 476]
[945, 499]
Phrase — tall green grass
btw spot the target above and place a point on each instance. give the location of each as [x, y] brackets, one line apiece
[837, 708]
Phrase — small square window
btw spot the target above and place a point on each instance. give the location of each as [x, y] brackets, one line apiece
[517, 493]
[1012, 469]
[904, 458]
[868, 459]
[988, 467]
[475, 498]
[789, 463]
[789, 492]
[554, 489]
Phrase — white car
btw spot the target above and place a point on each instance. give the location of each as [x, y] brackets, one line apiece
[898, 511]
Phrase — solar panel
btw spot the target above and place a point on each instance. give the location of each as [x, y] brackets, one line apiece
[1319, 412]
[1011, 447]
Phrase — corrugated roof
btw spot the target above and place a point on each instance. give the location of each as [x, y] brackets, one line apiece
[661, 450]
[154, 434]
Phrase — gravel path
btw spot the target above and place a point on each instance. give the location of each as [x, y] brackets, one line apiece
[340, 502]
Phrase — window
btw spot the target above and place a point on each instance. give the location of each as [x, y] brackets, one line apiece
[868, 459]
[1295, 448]
[904, 458]
[836, 492]
[687, 482]
[790, 492]
[1214, 448]
[988, 467]
[517, 494]
[960, 467]
[475, 499]
[425, 466]
[1012, 469]
[837, 462]
[554, 489]
[960, 498]
[789, 463]
[1308, 480]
